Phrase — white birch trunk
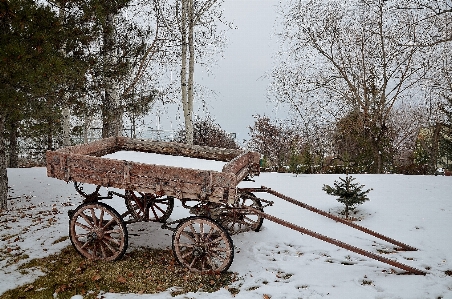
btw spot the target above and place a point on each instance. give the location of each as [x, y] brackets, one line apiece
[183, 74]
[191, 70]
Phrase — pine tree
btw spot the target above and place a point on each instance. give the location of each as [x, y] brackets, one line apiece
[33, 68]
[350, 194]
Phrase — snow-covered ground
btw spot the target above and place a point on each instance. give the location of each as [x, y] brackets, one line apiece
[276, 261]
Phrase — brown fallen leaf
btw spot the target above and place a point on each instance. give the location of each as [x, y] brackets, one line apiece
[266, 296]
[122, 279]
[96, 277]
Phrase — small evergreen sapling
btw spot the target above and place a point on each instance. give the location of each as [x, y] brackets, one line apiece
[350, 194]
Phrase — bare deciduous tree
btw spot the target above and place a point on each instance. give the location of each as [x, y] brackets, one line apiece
[276, 141]
[360, 55]
[208, 133]
[190, 26]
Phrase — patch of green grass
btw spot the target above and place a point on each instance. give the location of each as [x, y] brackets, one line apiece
[143, 271]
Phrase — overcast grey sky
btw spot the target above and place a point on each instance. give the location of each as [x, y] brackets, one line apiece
[239, 78]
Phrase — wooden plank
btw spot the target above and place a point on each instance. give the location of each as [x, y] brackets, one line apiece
[96, 148]
[178, 149]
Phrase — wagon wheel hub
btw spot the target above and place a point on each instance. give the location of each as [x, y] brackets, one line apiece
[199, 251]
[99, 233]
[91, 236]
[94, 235]
[202, 246]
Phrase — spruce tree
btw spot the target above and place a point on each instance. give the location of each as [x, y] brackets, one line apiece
[350, 194]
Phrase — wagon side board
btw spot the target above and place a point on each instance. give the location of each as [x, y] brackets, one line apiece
[84, 164]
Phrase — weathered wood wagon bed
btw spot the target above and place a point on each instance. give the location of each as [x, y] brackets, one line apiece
[85, 164]
[202, 242]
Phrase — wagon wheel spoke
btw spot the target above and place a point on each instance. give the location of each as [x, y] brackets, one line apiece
[102, 250]
[108, 244]
[192, 264]
[217, 249]
[83, 226]
[108, 232]
[113, 240]
[93, 217]
[203, 263]
[187, 254]
[215, 241]
[85, 244]
[101, 217]
[186, 245]
[97, 231]
[189, 235]
[109, 223]
[88, 221]
[194, 233]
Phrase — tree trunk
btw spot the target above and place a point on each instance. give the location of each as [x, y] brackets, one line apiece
[183, 73]
[86, 124]
[3, 172]
[66, 124]
[111, 108]
[435, 148]
[13, 148]
[66, 112]
[191, 71]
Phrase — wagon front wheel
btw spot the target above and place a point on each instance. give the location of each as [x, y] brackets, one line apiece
[98, 232]
[201, 245]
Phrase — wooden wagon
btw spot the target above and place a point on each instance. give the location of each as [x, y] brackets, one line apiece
[202, 242]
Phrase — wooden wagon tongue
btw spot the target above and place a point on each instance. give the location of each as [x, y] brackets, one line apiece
[402, 246]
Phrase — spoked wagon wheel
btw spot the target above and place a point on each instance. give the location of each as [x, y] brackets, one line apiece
[147, 207]
[236, 219]
[201, 245]
[98, 232]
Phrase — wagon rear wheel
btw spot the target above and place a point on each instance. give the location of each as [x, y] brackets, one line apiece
[147, 207]
[98, 232]
[236, 219]
[202, 245]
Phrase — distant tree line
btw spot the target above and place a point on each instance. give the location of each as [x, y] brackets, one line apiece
[343, 149]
